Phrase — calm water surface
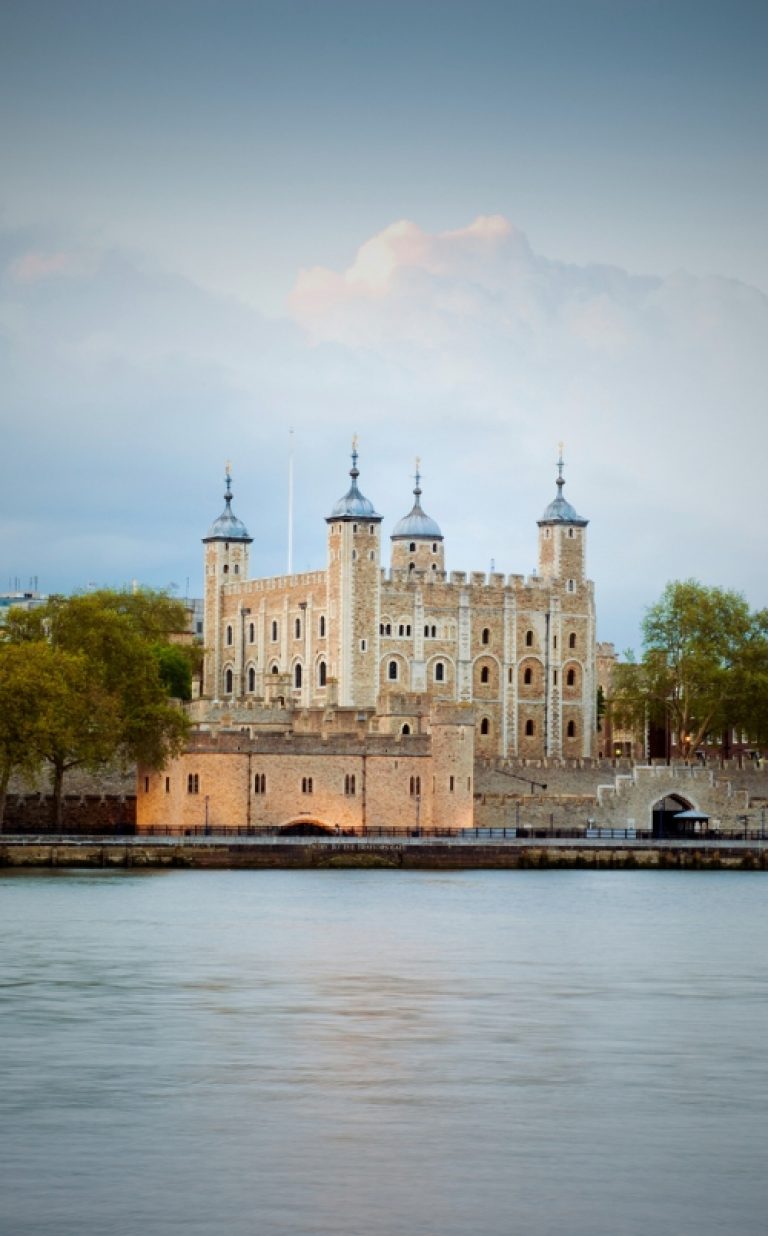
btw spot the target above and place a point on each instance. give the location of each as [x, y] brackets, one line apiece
[353, 1053]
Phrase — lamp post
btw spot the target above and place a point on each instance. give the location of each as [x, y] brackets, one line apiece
[207, 830]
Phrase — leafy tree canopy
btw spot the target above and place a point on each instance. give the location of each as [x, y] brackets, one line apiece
[97, 691]
[704, 667]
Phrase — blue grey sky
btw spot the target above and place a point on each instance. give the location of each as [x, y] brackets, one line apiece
[219, 220]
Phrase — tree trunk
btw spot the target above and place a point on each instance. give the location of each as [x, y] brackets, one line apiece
[5, 776]
[57, 813]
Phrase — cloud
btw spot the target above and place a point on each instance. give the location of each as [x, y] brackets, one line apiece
[125, 387]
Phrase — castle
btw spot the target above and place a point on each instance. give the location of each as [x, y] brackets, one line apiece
[357, 695]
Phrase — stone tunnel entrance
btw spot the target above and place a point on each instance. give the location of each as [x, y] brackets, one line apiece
[306, 828]
[664, 822]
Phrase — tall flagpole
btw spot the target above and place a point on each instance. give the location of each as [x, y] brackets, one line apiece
[290, 502]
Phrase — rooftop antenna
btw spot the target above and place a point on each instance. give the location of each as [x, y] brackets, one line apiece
[290, 502]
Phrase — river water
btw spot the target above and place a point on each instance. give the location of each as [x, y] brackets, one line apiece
[351, 1053]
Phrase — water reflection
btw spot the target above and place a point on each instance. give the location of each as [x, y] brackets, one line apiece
[380, 1052]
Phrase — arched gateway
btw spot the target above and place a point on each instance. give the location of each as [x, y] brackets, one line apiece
[664, 816]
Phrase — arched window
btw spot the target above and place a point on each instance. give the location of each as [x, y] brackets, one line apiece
[486, 636]
[529, 730]
[297, 629]
[406, 729]
[572, 640]
[392, 671]
[485, 674]
[251, 679]
[322, 626]
[412, 547]
[229, 636]
[274, 669]
[485, 726]
[401, 629]
[274, 631]
[411, 567]
[570, 677]
[228, 680]
[297, 674]
[434, 632]
[527, 675]
[321, 674]
[354, 527]
[434, 547]
[440, 672]
[529, 639]
[571, 729]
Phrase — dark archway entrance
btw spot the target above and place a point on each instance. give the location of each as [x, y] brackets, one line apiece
[305, 828]
[664, 822]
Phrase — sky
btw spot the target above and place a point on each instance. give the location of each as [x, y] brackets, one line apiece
[464, 232]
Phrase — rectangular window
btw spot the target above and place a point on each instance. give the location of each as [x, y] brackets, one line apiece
[167, 785]
[193, 783]
[451, 783]
[146, 785]
[349, 785]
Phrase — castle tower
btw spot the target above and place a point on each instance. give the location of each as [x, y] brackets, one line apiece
[354, 589]
[417, 542]
[225, 562]
[562, 538]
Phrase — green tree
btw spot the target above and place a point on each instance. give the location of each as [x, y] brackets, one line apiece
[104, 698]
[704, 667]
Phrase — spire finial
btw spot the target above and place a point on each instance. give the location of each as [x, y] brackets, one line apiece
[354, 470]
[228, 482]
[560, 480]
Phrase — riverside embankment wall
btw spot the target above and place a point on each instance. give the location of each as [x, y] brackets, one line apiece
[395, 854]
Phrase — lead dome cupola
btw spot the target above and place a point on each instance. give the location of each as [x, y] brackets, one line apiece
[227, 527]
[559, 510]
[353, 505]
[416, 525]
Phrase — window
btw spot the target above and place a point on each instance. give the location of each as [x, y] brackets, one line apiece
[167, 785]
[306, 785]
[401, 629]
[554, 678]
[485, 726]
[354, 555]
[527, 675]
[354, 527]
[349, 785]
[274, 631]
[146, 785]
[570, 678]
[486, 637]
[226, 569]
[426, 632]
[260, 783]
[509, 676]
[412, 547]
[363, 645]
[529, 639]
[274, 670]
[451, 784]
[370, 529]
[434, 632]
[229, 636]
[571, 585]
[440, 672]
[529, 730]
[406, 729]
[572, 640]
[193, 783]
[251, 633]
[297, 629]
[228, 680]
[297, 675]
[322, 626]
[554, 641]
[434, 547]
[571, 730]
[415, 787]
[236, 569]
[485, 674]
[408, 629]
[321, 674]
[251, 679]
[392, 671]
[570, 533]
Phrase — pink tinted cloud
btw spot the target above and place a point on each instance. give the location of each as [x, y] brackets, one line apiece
[37, 265]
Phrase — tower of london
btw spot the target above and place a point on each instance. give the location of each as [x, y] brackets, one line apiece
[413, 670]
